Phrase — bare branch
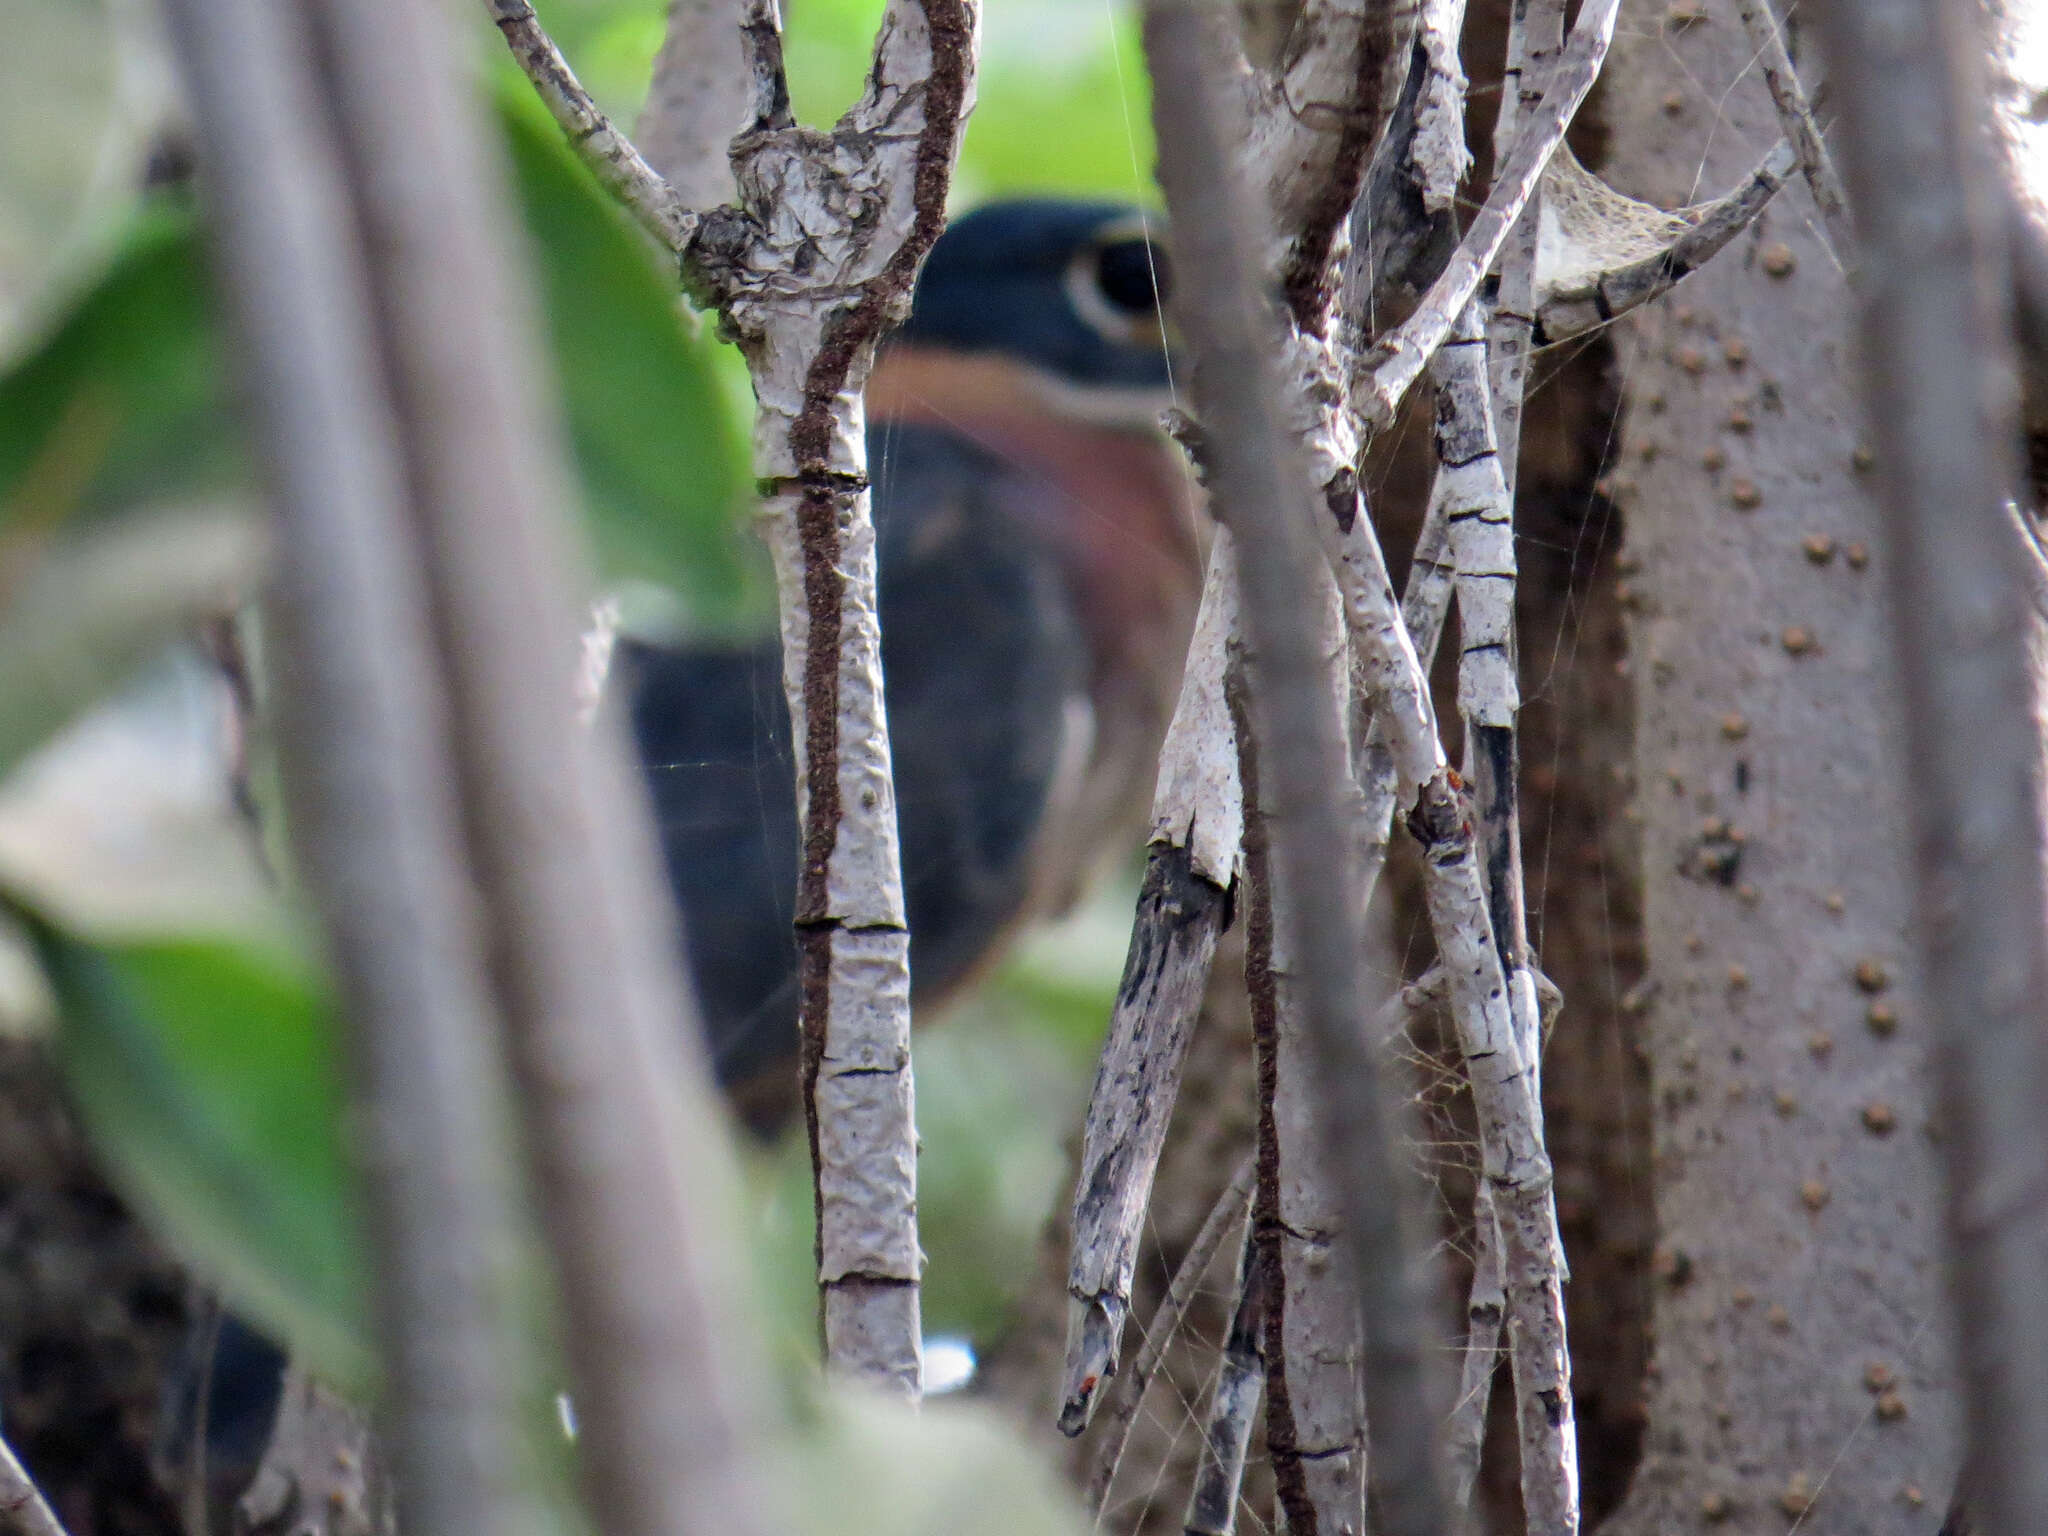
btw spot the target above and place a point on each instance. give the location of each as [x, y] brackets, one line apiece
[1385, 373]
[1314, 129]
[1315, 1410]
[1501, 1068]
[1233, 1405]
[368, 763]
[609, 153]
[1190, 868]
[815, 264]
[1535, 37]
[1485, 1312]
[1121, 1411]
[1265, 497]
[633, 1177]
[1440, 155]
[22, 1509]
[1795, 116]
[1610, 258]
[698, 101]
[1173, 940]
[1910, 80]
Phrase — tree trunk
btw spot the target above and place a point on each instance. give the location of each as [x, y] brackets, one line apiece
[1801, 1346]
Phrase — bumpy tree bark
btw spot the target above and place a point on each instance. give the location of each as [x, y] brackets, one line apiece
[1801, 1366]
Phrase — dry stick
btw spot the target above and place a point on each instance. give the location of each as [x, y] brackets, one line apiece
[23, 1511]
[1512, 1157]
[1190, 866]
[1233, 1405]
[633, 1177]
[1386, 371]
[698, 99]
[1936, 329]
[1265, 498]
[1121, 1409]
[1315, 1410]
[1439, 154]
[1485, 1313]
[1535, 40]
[814, 265]
[367, 760]
[1480, 517]
[609, 154]
[1795, 116]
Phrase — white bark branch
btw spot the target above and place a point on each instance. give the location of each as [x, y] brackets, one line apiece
[1795, 116]
[1313, 129]
[1485, 1313]
[1535, 38]
[1394, 362]
[814, 265]
[1315, 1408]
[608, 153]
[23, 1511]
[1263, 493]
[1513, 1160]
[1197, 829]
[1439, 154]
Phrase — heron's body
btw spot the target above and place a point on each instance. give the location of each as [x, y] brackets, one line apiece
[1037, 579]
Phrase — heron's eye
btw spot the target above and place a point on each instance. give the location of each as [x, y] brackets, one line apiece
[1133, 277]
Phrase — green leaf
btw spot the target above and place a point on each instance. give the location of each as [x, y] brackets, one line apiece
[667, 476]
[119, 404]
[207, 1073]
[123, 402]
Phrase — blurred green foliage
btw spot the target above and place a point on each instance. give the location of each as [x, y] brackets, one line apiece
[1063, 105]
[206, 1064]
[207, 1071]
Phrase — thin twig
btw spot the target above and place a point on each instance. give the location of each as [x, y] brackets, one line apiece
[1265, 498]
[1233, 1405]
[1315, 1409]
[1385, 373]
[1485, 1312]
[368, 765]
[633, 1178]
[608, 152]
[1513, 1160]
[1190, 867]
[1120, 1411]
[1535, 38]
[1795, 117]
[23, 1511]
[1936, 327]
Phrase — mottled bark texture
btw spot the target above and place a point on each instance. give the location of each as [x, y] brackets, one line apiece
[1800, 1364]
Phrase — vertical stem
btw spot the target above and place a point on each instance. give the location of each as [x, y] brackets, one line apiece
[633, 1178]
[1267, 498]
[1315, 1413]
[1938, 357]
[369, 766]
